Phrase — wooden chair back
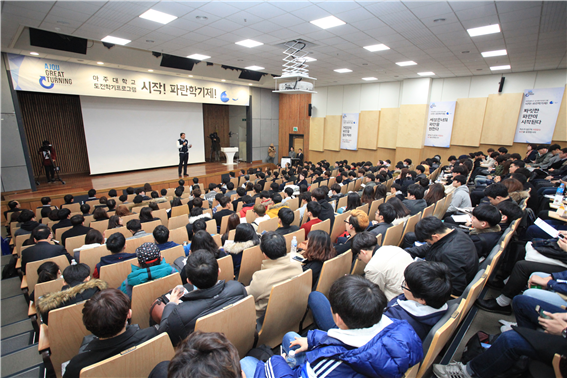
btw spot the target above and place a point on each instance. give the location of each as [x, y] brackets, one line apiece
[410, 225]
[299, 235]
[344, 189]
[150, 226]
[250, 216]
[176, 222]
[65, 334]
[314, 186]
[47, 287]
[123, 230]
[231, 234]
[268, 225]
[440, 338]
[170, 254]
[211, 226]
[164, 205]
[296, 218]
[351, 186]
[286, 307]
[251, 263]
[237, 321]
[218, 239]
[412, 371]
[394, 235]
[472, 292]
[556, 365]
[339, 225]
[224, 224]
[374, 208]
[74, 207]
[363, 208]
[333, 205]
[115, 274]
[31, 269]
[439, 211]
[239, 207]
[324, 226]
[74, 242]
[342, 201]
[332, 270]
[92, 256]
[179, 210]
[101, 226]
[428, 211]
[58, 232]
[178, 235]
[447, 202]
[19, 241]
[132, 244]
[293, 203]
[137, 361]
[127, 218]
[145, 294]
[226, 267]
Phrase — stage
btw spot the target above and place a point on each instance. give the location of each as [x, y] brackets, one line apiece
[79, 184]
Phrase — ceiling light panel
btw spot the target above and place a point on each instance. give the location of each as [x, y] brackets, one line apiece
[328, 22]
[116, 40]
[249, 43]
[483, 30]
[343, 70]
[254, 68]
[498, 68]
[369, 78]
[156, 16]
[407, 63]
[488, 54]
[379, 47]
[198, 57]
[429, 73]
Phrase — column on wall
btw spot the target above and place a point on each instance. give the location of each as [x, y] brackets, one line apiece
[265, 122]
[294, 112]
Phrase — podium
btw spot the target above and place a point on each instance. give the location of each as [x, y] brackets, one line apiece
[229, 152]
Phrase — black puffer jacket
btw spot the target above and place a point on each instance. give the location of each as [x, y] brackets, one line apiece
[458, 252]
[179, 320]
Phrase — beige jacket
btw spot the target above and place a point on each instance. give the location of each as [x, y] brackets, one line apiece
[272, 273]
[386, 269]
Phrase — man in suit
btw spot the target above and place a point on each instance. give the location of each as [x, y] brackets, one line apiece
[42, 249]
[64, 219]
[77, 221]
[299, 157]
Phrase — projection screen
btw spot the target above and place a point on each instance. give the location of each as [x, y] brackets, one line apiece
[126, 135]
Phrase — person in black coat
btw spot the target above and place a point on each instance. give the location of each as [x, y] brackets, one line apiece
[187, 305]
[486, 229]
[64, 219]
[225, 204]
[43, 249]
[356, 223]
[77, 221]
[327, 211]
[450, 246]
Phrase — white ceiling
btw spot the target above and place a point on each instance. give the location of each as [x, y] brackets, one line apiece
[533, 32]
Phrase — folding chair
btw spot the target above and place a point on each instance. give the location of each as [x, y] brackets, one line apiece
[162, 215]
[268, 225]
[363, 208]
[299, 235]
[127, 218]
[30, 279]
[250, 216]
[251, 263]
[293, 203]
[137, 361]
[224, 224]
[176, 222]
[178, 235]
[150, 226]
[218, 239]
[296, 218]
[74, 242]
[58, 232]
[226, 267]
[237, 321]
[393, 235]
[428, 211]
[410, 225]
[92, 256]
[123, 230]
[472, 292]
[170, 254]
[323, 226]
[374, 208]
[115, 274]
[342, 201]
[132, 244]
[145, 294]
[286, 307]
[332, 270]
[179, 210]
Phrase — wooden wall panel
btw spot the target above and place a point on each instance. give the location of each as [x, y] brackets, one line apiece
[469, 117]
[294, 109]
[368, 129]
[332, 134]
[501, 118]
[388, 127]
[411, 127]
[360, 155]
[316, 134]
[560, 132]
[58, 119]
[404, 153]
[215, 118]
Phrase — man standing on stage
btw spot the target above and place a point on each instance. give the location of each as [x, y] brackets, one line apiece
[48, 157]
[183, 146]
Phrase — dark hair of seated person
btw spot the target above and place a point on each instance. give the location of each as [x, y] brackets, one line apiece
[273, 245]
[146, 214]
[202, 240]
[359, 302]
[99, 213]
[319, 246]
[115, 242]
[199, 225]
[487, 213]
[286, 216]
[94, 236]
[113, 222]
[427, 227]
[75, 274]
[105, 313]
[205, 355]
[430, 281]
[202, 269]
[161, 234]
[47, 272]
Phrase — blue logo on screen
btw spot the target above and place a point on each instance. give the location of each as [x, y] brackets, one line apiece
[432, 105]
[550, 102]
[224, 97]
[41, 82]
[530, 93]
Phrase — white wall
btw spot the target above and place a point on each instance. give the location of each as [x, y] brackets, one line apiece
[335, 100]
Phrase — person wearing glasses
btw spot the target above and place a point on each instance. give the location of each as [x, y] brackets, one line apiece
[354, 224]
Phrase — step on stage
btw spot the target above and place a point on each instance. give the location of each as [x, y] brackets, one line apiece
[158, 177]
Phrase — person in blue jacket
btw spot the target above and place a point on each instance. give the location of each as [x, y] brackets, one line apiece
[427, 288]
[554, 287]
[365, 344]
[152, 266]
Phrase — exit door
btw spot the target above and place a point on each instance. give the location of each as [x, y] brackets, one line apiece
[296, 141]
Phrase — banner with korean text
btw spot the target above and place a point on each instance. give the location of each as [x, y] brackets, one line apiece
[538, 115]
[440, 124]
[53, 76]
[349, 131]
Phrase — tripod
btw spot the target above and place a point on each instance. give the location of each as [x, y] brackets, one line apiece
[55, 173]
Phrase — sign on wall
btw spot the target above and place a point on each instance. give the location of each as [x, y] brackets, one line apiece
[349, 131]
[440, 124]
[538, 115]
[53, 76]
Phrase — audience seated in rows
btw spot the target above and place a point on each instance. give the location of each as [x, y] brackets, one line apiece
[116, 244]
[43, 249]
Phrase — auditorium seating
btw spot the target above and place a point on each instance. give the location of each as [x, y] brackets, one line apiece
[145, 294]
[251, 263]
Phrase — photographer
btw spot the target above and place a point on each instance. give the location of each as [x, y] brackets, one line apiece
[48, 157]
[215, 140]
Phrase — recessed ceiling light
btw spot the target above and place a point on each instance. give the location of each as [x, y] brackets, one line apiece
[116, 40]
[328, 22]
[369, 78]
[439, 20]
[250, 84]
[198, 57]
[426, 73]
[488, 54]
[150, 70]
[249, 43]
[254, 68]
[190, 75]
[379, 47]
[408, 63]
[34, 53]
[309, 59]
[204, 18]
[99, 62]
[343, 70]
[154, 15]
[483, 30]
[497, 68]
[223, 80]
